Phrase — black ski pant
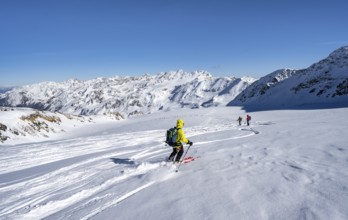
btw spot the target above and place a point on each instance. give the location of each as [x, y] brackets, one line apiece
[178, 152]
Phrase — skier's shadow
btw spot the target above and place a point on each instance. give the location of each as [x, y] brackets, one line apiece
[125, 161]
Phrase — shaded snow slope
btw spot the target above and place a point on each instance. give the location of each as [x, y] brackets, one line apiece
[294, 168]
[4, 89]
[323, 84]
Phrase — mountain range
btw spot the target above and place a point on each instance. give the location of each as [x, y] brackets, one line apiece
[323, 84]
[128, 96]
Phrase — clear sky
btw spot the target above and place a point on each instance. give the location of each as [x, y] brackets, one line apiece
[55, 40]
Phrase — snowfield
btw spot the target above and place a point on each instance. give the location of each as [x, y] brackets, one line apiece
[289, 164]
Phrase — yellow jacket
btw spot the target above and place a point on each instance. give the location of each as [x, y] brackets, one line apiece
[180, 138]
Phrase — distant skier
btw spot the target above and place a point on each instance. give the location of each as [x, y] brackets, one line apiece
[248, 118]
[239, 120]
[178, 148]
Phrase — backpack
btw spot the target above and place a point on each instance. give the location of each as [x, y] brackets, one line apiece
[171, 136]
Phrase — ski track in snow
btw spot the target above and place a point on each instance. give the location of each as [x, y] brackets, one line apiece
[97, 174]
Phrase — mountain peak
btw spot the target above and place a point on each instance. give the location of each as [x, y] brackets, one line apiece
[341, 52]
[180, 74]
[323, 84]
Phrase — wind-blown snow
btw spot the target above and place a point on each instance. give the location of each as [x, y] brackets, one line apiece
[294, 168]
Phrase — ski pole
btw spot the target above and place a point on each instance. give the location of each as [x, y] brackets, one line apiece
[177, 169]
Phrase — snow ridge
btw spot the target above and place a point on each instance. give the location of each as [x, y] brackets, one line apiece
[323, 84]
[128, 96]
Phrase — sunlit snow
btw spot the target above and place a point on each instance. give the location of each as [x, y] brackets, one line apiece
[292, 167]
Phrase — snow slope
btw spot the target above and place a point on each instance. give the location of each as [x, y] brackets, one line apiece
[294, 168]
[22, 125]
[323, 84]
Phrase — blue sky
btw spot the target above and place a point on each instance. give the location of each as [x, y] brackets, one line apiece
[55, 40]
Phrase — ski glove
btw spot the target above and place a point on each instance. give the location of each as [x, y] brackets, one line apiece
[190, 143]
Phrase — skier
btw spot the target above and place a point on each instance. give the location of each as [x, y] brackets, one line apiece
[248, 118]
[178, 148]
[240, 120]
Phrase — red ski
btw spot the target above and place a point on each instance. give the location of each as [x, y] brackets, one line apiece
[184, 161]
[188, 159]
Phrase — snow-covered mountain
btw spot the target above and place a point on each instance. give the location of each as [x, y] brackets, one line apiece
[323, 84]
[4, 89]
[20, 125]
[128, 95]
